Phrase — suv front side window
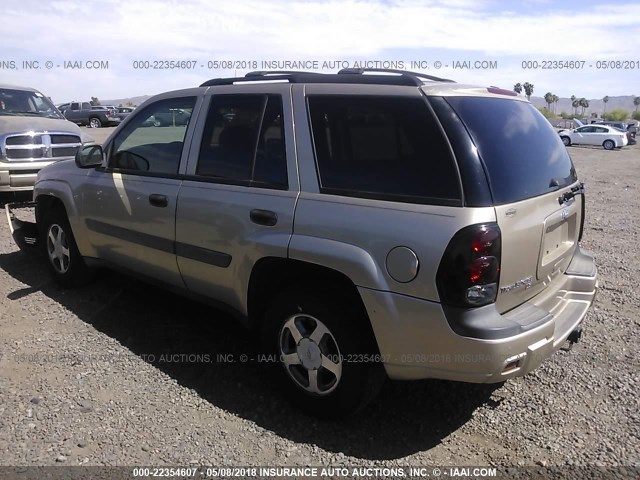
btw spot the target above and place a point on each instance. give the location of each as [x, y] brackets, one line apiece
[142, 148]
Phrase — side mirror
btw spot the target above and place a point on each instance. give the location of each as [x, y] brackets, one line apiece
[89, 156]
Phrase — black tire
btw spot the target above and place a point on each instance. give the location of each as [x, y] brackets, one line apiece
[65, 263]
[349, 337]
[609, 144]
[566, 141]
[94, 122]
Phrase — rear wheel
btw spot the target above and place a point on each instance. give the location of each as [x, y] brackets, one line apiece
[63, 258]
[566, 141]
[95, 122]
[609, 144]
[325, 359]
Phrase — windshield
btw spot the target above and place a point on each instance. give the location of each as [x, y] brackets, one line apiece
[25, 103]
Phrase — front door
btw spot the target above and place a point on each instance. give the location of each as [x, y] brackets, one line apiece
[129, 206]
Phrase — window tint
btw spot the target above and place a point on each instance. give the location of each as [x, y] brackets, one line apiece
[523, 155]
[152, 142]
[382, 147]
[243, 141]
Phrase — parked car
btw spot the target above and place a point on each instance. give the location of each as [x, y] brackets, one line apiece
[629, 128]
[124, 112]
[594, 134]
[83, 113]
[62, 107]
[33, 134]
[365, 226]
[174, 116]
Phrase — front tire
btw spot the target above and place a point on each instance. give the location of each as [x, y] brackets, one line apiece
[566, 141]
[324, 352]
[63, 258]
[95, 122]
[609, 144]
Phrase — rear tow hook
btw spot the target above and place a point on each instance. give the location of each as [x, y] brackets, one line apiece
[574, 337]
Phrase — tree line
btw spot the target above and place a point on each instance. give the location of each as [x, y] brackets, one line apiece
[551, 99]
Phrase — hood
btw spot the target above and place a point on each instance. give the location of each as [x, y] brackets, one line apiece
[11, 124]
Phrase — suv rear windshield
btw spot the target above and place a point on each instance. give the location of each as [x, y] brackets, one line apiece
[523, 155]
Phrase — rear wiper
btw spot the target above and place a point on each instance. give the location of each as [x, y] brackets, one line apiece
[577, 190]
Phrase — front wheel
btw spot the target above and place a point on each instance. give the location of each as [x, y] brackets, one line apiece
[63, 258]
[566, 141]
[609, 144]
[323, 350]
[95, 122]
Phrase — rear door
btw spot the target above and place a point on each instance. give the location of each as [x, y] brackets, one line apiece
[529, 171]
[237, 201]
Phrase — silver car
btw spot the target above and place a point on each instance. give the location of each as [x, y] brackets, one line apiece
[365, 226]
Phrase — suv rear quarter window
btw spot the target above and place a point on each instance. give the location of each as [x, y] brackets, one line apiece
[388, 148]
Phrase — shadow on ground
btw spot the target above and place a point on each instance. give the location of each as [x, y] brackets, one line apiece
[405, 418]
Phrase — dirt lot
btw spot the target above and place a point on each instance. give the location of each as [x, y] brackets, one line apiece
[78, 384]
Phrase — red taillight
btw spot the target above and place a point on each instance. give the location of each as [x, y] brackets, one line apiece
[469, 271]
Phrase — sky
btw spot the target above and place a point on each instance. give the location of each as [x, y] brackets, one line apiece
[491, 42]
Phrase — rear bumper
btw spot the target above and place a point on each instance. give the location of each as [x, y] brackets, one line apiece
[416, 340]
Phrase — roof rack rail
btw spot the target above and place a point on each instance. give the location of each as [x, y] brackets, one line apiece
[360, 71]
[346, 75]
[247, 79]
[266, 73]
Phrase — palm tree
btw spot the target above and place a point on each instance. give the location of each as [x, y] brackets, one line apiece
[548, 98]
[584, 103]
[517, 88]
[605, 99]
[573, 99]
[636, 102]
[575, 104]
[528, 89]
[555, 100]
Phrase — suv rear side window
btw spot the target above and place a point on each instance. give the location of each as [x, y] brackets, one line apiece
[522, 153]
[243, 141]
[389, 148]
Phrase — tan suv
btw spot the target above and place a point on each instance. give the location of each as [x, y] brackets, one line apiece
[368, 226]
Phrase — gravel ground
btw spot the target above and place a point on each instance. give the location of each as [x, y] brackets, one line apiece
[83, 380]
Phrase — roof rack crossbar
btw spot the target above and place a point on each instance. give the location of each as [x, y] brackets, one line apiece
[360, 71]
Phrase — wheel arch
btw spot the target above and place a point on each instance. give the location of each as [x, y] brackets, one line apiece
[58, 195]
[271, 275]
